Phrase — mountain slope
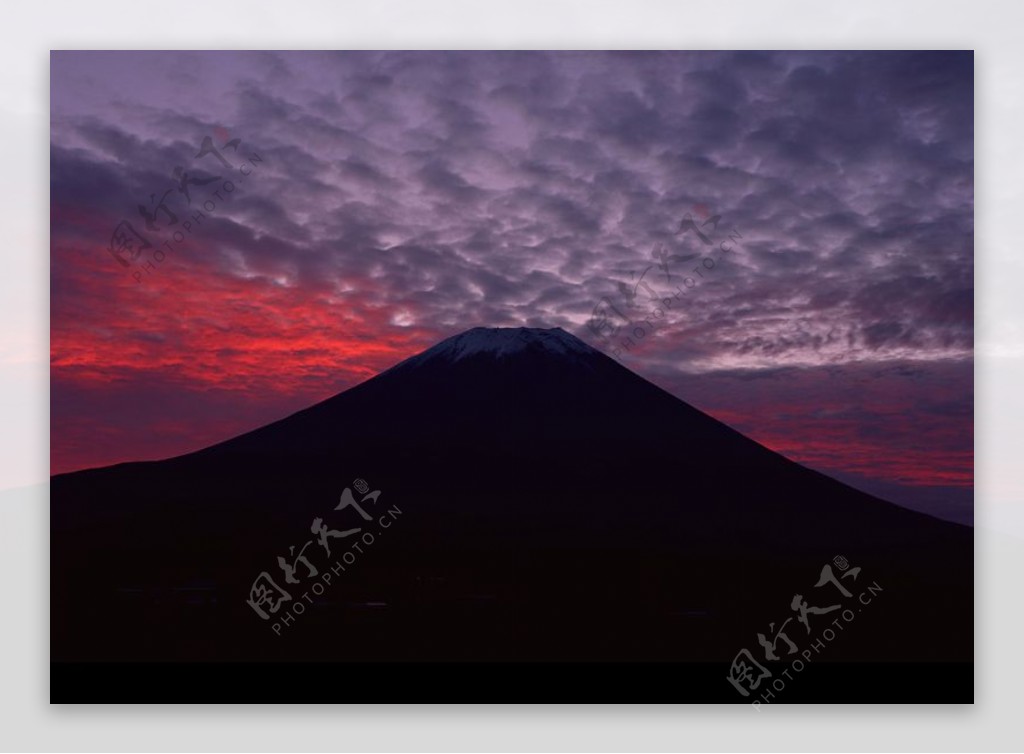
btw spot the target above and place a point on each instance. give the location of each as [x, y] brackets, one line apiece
[555, 505]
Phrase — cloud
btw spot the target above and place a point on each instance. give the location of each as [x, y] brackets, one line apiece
[405, 196]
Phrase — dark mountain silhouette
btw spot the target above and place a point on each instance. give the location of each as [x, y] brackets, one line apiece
[554, 506]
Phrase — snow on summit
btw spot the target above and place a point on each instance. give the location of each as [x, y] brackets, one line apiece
[504, 341]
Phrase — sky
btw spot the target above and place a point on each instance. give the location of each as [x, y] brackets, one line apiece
[782, 239]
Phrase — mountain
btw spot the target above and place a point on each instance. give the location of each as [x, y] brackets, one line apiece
[553, 506]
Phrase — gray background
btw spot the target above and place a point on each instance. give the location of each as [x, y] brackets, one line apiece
[28, 722]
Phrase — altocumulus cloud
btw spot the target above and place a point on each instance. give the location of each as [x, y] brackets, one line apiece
[405, 196]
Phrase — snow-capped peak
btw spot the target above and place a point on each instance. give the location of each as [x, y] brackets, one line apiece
[505, 341]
